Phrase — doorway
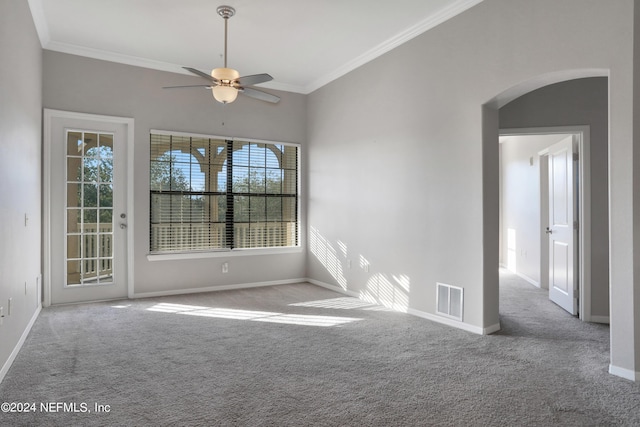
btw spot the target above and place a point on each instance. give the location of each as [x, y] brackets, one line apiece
[85, 199]
[545, 232]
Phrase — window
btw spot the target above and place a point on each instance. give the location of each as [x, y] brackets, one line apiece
[89, 212]
[216, 194]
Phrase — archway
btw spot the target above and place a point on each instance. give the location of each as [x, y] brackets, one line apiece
[491, 125]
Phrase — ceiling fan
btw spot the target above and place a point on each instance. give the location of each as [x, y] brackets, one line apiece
[226, 82]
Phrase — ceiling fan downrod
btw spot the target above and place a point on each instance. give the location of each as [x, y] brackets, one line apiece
[226, 12]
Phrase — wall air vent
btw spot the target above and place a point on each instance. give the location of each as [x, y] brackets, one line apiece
[449, 301]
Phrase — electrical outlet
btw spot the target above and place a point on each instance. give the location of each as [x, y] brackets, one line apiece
[349, 263]
[225, 267]
[366, 267]
[25, 287]
[9, 306]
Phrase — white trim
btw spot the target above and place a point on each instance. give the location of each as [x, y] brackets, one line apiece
[544, 80]
[522, 276]
[624, 373]
[584, 231]
[93, 301]
[224, 253]
[285, 87]
[105, 55]
[130, 205]
[136, 61]
[446, 321]
[430, 22]
[224, 138]
[237, 251]
[19, 344]
[543, 169]
[600, 319]
[217, 288]
[528, 279]
[334, 288]
[48, 116]
[491, 329]
[40, 21]
[46, 208]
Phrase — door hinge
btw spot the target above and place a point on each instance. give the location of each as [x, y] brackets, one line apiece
[575, 225]
[575, 157]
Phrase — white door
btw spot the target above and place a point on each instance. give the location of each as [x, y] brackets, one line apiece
[562, 229]
[87, 207]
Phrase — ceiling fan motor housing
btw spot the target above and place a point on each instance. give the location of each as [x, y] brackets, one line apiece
[226, 11]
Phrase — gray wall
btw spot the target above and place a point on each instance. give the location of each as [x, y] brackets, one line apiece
[86, 85]
[403, 153]
[20, 184]
[577, 102]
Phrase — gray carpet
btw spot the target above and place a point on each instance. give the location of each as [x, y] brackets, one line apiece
[300, 355]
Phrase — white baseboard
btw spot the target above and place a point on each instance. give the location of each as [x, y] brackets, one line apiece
[535, 283]
[491, 329]
[333, 288]
[599, 319]
[526, 278]
[454, 323]
[216, 288]
[435, 318]
[624, 373]
[18, 346]
[529, 279]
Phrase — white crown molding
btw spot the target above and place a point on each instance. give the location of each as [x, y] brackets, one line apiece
[412, 32]
[40, 21]
[283, 87]
[145, 63]
[114, 57]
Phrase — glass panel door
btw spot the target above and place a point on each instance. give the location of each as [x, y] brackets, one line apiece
[85, 226]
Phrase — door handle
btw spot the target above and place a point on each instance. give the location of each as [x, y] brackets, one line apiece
[123, 225]
[549, 231]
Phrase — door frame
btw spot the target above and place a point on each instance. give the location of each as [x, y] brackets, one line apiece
[584, 209]
[48, 116]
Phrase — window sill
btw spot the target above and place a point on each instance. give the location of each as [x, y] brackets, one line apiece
[222, 253]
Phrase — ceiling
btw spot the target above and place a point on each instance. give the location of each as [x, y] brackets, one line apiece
[303, 44]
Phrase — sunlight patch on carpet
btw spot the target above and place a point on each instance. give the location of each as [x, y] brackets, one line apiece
[256, 316]
[342, 303]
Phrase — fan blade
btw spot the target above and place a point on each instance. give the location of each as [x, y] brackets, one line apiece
[254, 79]
[179, 87]
[201, 74]
[258, 94]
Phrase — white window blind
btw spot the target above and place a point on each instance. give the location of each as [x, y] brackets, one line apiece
[212, 194]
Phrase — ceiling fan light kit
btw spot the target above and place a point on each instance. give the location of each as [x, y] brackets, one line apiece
[225, 92]
[226, 82]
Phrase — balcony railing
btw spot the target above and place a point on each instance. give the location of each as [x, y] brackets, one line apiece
[96, 260]
[195, 236]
